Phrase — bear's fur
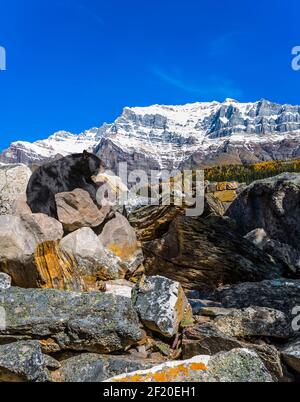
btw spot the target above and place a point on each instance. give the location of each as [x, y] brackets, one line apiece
[62, 175]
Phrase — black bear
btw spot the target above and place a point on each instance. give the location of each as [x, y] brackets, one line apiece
[62, 175]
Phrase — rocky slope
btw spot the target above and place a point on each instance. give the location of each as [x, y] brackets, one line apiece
[170, 137]
[157, 297]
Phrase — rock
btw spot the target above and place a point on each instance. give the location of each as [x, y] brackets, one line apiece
[20, 255]
[254, 322]
[20, 206]
[207, 339]
[17, 246]
[151, 222]
[279, 294]
[238, 365]
[119, 287]
[94, 322]
[76, 210]
[272, 204]
[291, 355]
[232, 185]
[42, 227]
[226, 195]
[13, 183]
[214, 311]
[213, 206]
[5, 281]
[285, 253]
[161, 305]
[23, 361]
[199, 305]
[94, 262]
[258, 237]
[56, 269]
[120, 239]
[204, 253]
[91, 367]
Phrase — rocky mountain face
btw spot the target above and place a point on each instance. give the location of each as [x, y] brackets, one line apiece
[202, 134]
[171, 137]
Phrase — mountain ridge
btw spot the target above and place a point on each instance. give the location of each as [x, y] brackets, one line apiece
[179, 136]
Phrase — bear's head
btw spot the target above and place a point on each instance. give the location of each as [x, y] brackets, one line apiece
[91, 165]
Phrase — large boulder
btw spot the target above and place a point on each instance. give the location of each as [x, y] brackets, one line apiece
[272, 204]
[95, 263]
[283, 252]
[279, 294]
[76, 210]
[119, 238]
[254, 322]
[94, 322]
[161, 305]
[13, 183]
[19, 238]
[92, 367]
[23, 361]
[56, 269]
[204, 253]
[238, 365]
[153, 221]
[42, 227]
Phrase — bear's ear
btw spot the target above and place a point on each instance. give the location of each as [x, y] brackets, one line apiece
[85, 154]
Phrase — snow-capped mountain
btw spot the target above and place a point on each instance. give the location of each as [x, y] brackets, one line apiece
[59, 144]
[171, 137]
[202, 134]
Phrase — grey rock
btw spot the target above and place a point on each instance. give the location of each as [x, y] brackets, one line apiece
[23, 361]
[161, 304]
[5, 281]
[254, 322]
[207, 339]
[91, 367]
[119, 287]
[13, 183]
[93, 322]
[272, 204]
[198, 306]
[279, 294]
[237, 365]
[285, 253]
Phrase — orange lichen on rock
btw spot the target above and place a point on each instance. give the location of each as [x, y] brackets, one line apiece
[56, 269]
[123, 252]
[177, 372]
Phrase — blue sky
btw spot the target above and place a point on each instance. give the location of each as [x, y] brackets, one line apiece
[73, 64]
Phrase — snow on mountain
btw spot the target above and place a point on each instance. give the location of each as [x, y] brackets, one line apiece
[61, 143]
[171, 137]
[201, 134]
